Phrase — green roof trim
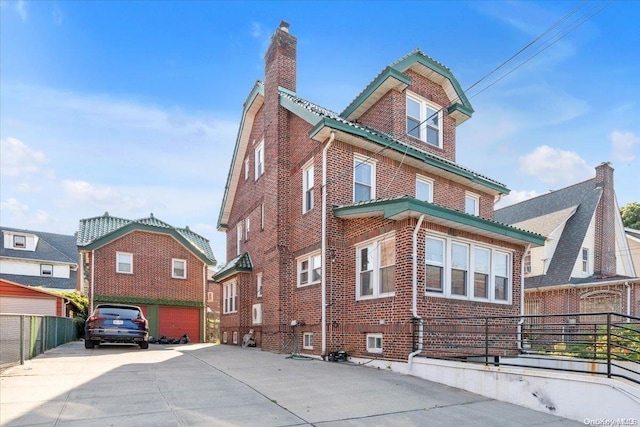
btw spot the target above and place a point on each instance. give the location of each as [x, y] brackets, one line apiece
[134, 226]
[240, 264]
[373, 86]
[103, 299]
[258, 89]
[391, 207]
[408, 150]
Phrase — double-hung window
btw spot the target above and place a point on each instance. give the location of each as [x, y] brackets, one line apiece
[259, 284]
[424, 189]
[246, 168]
[471, 204]
[309, 269]
[424, 120]
[364, 178]
[124, 262]
[585, 260]
[259, 160]
[19, 242]
[307, 342]
[230, 297]
[467, 270]
[239, 238]
[376, 268]
[179, 268]
[307, 188]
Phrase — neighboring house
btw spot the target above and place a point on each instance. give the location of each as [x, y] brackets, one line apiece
[213, 308]
[20, 299]
[585, 265]
[149, 263]
[36, 258]
[342, 228]
[633, 240]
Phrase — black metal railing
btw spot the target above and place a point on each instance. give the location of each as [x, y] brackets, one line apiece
[596, 343]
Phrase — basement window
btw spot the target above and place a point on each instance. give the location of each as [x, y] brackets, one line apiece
[374, 343]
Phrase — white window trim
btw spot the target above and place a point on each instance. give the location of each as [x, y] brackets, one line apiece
[423, 119]
[43, 268]
[358, 159]
[259, 284]
[235, 337]
[261, 216]
[130, 255]
[173, 268]
[375, 348]
[224, 337]
[246, 168]
[247, 226]
[446, 292]
[308, 186]
[373, 244]
[259, 160]
[476, 199]
[584, 261]
[424, 180]
[230, 297]
[305, 341]
[22, 244]
[239, 237]
[309, 258]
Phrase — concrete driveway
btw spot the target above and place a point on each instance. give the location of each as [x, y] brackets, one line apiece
[215, 385]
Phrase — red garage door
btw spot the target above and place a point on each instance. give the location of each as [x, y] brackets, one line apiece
[174, 322]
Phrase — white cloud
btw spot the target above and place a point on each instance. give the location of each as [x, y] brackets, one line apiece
[554, 167]
[257, 31]
[624, 145]
[21, 8]
[82, 192]
[18, 160]
[20, 214]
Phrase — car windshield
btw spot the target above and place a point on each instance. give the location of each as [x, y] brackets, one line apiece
[128, 313]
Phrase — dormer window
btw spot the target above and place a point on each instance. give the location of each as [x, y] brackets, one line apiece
[424, 120]
[19, 242]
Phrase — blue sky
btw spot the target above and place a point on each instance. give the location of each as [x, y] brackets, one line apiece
[133, 107]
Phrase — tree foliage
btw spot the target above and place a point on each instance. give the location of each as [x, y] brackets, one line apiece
[631, 215]
[79, 301]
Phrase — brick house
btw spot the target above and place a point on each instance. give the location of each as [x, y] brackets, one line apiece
[343, 228]
[149, 263]
[586, 265]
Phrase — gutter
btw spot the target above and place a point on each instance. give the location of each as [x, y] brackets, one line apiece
[325, 150]
[414, 298]
[93, 280]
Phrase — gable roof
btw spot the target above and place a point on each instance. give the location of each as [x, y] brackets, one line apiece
[240, 264]
[98, 231]
[584, 198]
[398, 208]
[393, 77]
[51, 247]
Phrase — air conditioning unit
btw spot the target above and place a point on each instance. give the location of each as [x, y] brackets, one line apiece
[256, 314]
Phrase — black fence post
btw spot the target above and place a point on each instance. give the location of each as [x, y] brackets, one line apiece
[486, 341]
[608, 345]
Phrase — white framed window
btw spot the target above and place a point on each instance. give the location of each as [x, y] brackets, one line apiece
[246, 169]
[230, 297]
[472, 204]
[434, 257]
[19, 242]
[466, 270]
[364, 178]
[259, 284]
[239, 238]
[307, 188]
[481, 272]
[209, 296]
[179, 268]
[235, 337]
[256, 314]
[224, 337]
[585, 260]
[307, 340]
[376, 268]
[247, 226]
[459, 269]
[46, 270]
[259, 160]
[424, 120]
[424, 188]
[124, 262]
[309, 269]
[374, 343]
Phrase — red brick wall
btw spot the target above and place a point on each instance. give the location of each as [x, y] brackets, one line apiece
[152, 267]
[605, 241]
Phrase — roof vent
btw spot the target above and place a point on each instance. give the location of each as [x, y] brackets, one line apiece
[284, 26]
[151, 215]
[106, 214]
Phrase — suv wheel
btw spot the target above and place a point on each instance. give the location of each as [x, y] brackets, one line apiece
[144, 345]
[89, 343]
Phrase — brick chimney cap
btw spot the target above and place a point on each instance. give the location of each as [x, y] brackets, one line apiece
[284, 26]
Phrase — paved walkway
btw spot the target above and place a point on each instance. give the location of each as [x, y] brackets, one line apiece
[214, 385]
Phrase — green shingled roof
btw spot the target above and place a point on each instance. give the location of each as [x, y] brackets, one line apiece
[97, 231]
[240, 264]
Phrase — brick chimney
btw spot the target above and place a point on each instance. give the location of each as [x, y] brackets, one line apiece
[605, 239]
[280, 60]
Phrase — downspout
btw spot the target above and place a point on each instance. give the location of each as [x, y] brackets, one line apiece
[203, 333]
[521, 321]
[628, 286]
[414, 297]
[324, 243]
[93, 276]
